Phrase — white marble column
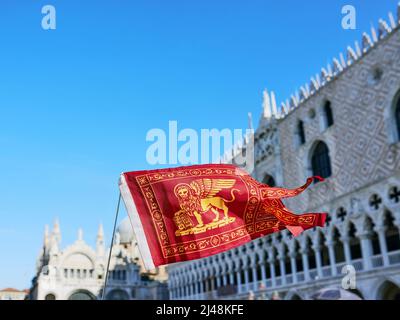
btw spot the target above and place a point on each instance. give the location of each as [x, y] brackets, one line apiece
[246, 278]
[318, 260]
[195, 289]
[382, 244]
[239, 281]
[346, 245]
[218, 281]
[332, 259]
[263, 274]
[366, 250]
[190, 289]
[283, 269]
[231, 277]
[255, 280]
[207, 285]
[186, 292]
[306, 266]
[273, 273]
[293, 265]
[225, 279]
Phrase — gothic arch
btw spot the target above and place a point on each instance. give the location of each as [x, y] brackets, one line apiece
[84, 250]
[286, 259]
[261, 254]
[338, 246]
[237, 264]
[81, 294]
[300, 133]
[298, 256]
[369, 228]
[327, 114]
[324, 251]
[308, 247]
[392, 235]
[273, 256]
[50, 296]
[354, 241]
[388, 290]
[117, 294]
[195, 275]
[395, 117]
[319, 160]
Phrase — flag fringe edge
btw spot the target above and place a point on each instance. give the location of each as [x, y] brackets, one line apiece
[136, 224]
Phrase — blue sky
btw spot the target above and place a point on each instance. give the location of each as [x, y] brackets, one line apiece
[76, 102]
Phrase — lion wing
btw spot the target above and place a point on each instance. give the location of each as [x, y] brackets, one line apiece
[208, 188]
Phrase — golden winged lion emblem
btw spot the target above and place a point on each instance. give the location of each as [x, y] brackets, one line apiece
[200, 198]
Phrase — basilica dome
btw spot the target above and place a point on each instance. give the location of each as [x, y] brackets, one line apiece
[125, 231]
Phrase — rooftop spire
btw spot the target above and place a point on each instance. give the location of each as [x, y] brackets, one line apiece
[46, 239]
[80, 234]
[56, 234]
[100, 248]
[267, 111]
[273, 105]
[398, 12]
[337, 66]
[250, 119]
[100, 232]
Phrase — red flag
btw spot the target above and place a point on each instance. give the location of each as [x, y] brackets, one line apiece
[192, 212]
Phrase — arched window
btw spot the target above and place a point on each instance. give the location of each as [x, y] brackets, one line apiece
[374, 238]
[258, 268]
[311, 254]
[117, 294]
[397, 115]
[300, 133]
[323, 250]
[288, 265]
[299, 260]
[276, 263]
[320, 161]
[82, 295]
[355, 246]
[250, 273]
[328, 114]
[50, 296]
[389, 291]
[392, 233]
[269, 180]
[338, 247]
[210, 284]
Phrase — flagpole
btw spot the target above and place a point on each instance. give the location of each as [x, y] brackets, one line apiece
[112, 243]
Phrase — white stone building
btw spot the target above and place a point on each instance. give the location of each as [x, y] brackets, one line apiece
[13, 294]
[78, 271]
[345, 126]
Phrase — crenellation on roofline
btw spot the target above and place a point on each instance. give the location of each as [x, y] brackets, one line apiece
[336, 68]
[328, 74]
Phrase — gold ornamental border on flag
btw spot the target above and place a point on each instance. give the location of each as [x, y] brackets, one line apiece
[258, 218]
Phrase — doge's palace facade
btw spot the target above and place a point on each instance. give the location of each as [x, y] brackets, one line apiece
[345, 126]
